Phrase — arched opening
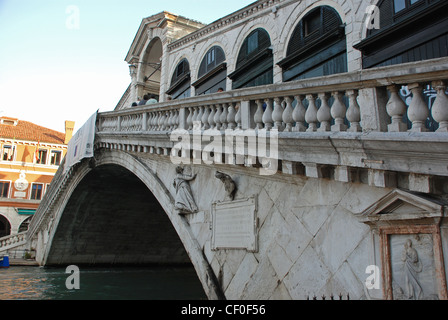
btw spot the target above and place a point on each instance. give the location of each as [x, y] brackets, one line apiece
[5, 227]
[150, 69]
[24, 225]
[113, 218]
[317, 46]
[212, 72]
[254, 66]
[180, 81]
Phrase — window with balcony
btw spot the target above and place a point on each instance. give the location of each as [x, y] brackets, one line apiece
[409, 31]
[317, 46]
[254, 66]
[4, 189]
[212, 72]
[36, 191]
[180, 81]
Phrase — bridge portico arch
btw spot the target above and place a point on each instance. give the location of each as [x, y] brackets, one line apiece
[119, 212]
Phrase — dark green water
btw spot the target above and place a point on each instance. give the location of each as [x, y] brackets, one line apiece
[151, 283]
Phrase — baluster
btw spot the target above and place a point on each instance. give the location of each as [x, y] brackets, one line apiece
[170, 120]
[148, 122]
[440, 106]
[195, 115]
[298, 115]
[258, 116]
[287, 115]
[338, 111]
[190, 119]
[200, 114]
[396, 108]
[211, 117]
[204, 118]
[278, 114]
[176, 119]
[218, 117]
[165, 120]
[231, 117]
[324, 114]
[311, 113]
[418, 111]
[353, 112]
[154, 121]
[267, 115]
[238, 115]
[161, 120]
[224, 117]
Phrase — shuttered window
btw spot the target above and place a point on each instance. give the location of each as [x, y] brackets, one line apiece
[317, 46]
[212, 72]
[254, 66]
[409, 30]
[180, 81]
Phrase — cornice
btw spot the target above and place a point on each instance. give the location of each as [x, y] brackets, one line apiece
[226, 21]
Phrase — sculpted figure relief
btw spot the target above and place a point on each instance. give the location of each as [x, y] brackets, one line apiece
[412, 266]
[229, 185]
[184, 200]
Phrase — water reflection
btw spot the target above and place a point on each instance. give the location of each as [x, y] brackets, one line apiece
[37, 283]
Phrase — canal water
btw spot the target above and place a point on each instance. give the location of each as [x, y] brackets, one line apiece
[117, 283]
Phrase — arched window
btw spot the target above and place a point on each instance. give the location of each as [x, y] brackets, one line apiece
[254, 66]
[180, 81]
[409, 30]
[212, 72]
[5, 227]
[317, 46]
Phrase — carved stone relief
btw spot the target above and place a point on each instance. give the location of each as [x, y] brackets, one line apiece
[184, 200]
[413, 269]
[412, 260]
[229, 185]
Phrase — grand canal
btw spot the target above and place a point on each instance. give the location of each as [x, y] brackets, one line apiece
[117, 283]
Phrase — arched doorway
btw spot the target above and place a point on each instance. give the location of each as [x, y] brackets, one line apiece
[5, 227]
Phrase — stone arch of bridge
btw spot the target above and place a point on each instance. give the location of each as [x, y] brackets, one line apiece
[105, 220]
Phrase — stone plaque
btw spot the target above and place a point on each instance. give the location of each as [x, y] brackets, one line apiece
[235, 224]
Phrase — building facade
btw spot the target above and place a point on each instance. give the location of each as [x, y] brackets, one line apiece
[30, 157]
[174, 57]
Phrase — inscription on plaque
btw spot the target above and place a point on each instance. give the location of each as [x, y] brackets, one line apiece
[235, 225]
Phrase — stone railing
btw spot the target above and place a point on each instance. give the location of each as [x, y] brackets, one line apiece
[12, 241]
[366, 100]
[385, 126]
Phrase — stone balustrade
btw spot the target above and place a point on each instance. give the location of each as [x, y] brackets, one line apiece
[359, 101]
[12, 241]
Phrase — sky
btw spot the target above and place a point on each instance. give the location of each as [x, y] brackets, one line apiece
[64, 59]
